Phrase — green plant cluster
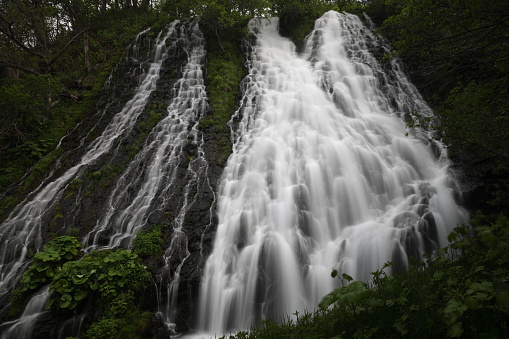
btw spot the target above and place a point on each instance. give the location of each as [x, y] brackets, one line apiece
[47, 263]
[105, 273]
[110, 279]
[462, 292]
[149, 242]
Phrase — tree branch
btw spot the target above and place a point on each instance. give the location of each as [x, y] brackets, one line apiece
[10, 34]
[66, 46]
[21, 68]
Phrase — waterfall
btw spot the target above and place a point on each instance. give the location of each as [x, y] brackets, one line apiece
[152, 183]
[22, 328]
[322, 176]
[21, 231]
[147, 184]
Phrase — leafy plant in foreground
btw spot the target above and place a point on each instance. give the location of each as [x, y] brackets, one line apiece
[149, 242]
[48, 262]
[108, 273]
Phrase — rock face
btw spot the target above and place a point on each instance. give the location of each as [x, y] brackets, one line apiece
[86, 198]
[85, 202]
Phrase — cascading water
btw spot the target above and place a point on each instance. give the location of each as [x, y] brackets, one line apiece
[322, 176]
[21, 231]
[153, 180]
[146, 185]
[22, 327]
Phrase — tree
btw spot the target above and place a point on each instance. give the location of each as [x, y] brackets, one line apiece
[31, 28]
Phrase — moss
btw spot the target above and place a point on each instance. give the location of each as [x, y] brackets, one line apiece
[224, 73]
[97, 175]
[149, 242]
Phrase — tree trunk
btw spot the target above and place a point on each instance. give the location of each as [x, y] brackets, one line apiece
[145, 5]
[85, 51]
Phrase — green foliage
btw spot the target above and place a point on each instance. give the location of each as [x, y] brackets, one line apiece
[112, 279]
[45, 266]
[47, 263]
[24, 103]
[351, 294]
[456, 52]
[297, 18]
[483, 124]
[149, 242]
[105, 328]
[109, 273]
[39, 106]
[122, 319]
[132, 324]
[223, 15]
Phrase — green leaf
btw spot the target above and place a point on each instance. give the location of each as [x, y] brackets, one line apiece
[400, 326]
[328, 300]
[350, 294]
[347, 277]
[456, 330]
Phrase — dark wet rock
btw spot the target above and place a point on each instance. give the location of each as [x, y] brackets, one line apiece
[85, 199]
[44, 326]
[86, 202]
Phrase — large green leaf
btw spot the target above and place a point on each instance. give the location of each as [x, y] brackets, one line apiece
[353, 293]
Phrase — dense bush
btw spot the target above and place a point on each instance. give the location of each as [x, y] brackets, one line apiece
[149, 242]
[106, 274]
[456, 52]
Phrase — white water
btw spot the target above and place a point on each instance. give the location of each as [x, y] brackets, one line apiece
[146, 185]
[21, 231]
[153, 180]
[22, 328]
[322, 176]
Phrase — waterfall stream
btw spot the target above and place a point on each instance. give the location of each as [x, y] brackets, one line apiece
[21, 231]
[22, 327]
[146, 186]
[321, 177]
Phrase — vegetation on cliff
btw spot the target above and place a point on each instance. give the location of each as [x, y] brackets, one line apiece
[105, 284]
[55, 56]
[456, 52]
